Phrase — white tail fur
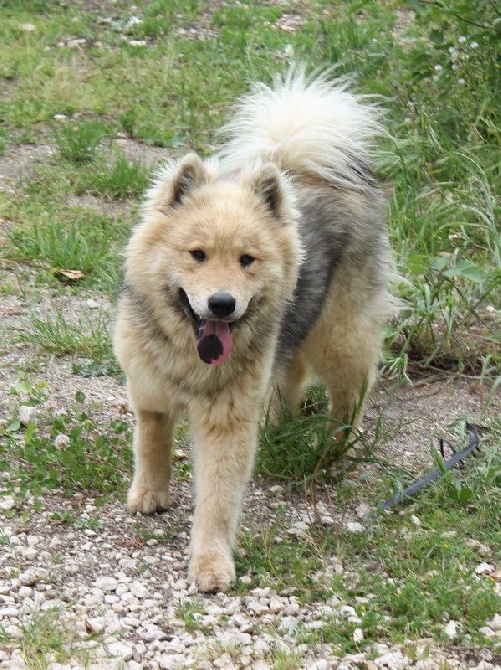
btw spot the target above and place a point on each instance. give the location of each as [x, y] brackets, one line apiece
[309, 125]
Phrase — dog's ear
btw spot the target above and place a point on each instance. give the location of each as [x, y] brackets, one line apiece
[270, 185]
[191, 174]
[175, 181]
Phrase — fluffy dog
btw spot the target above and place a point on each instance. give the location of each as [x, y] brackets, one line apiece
[246, 270]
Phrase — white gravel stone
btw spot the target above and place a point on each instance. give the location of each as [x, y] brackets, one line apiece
[7, 503]
[32, 576]
[288, 623]
[354, 527]
[451, 629]
[120, 650]
[139, 590]
[393, 660]
[484, 569]
[321, 664]
[106, 584]
[495, 623]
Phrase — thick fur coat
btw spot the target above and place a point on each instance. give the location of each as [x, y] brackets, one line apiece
[245, 271]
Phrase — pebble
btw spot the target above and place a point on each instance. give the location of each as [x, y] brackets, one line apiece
[106, 584]
[484, 569]
[32, 576]
[393, 660]
[451, 629]
[7, 503]
[120, 650]
[495, 623]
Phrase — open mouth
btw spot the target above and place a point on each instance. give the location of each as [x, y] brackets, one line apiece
[213, 337]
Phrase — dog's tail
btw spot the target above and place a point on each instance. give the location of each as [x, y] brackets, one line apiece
[312, 126]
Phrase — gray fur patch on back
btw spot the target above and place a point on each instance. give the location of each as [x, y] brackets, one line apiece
[326, 235]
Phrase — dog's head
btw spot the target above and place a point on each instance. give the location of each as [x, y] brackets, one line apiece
[225, 249]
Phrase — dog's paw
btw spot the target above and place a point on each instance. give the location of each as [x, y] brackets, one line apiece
[147, 501]
[212, 571]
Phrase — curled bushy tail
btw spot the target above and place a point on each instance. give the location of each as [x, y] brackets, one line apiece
[310, 125]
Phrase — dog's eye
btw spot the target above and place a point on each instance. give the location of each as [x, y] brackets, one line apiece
[246, 260]
[199, 255]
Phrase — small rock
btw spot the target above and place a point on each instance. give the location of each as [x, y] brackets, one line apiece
[495, 623]
[288, 623]
[358, 635]
[106, 583]
[138, 590]
[451, 629]
[354, 527]
[95, 625]
[7, 503]
[299, 529]
[261, 665]
[349, 613]
[32, 576]
[321, 664]
[120, 650]
[362, 510]
[393, 660]
[484, 569]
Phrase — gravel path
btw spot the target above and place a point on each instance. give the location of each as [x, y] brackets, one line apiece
[122, 601]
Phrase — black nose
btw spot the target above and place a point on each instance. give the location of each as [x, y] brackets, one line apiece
[222, 304]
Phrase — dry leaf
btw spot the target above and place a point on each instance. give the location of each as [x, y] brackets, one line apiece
[70, 275]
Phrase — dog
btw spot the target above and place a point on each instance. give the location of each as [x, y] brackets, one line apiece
[247, 270]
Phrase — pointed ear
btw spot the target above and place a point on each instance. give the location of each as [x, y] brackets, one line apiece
[271, 187]
[191, 174]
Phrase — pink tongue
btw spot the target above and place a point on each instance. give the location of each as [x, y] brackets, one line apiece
[214, 341]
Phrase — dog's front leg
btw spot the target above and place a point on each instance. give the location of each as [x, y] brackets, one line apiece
[225, 437]
[149, 491]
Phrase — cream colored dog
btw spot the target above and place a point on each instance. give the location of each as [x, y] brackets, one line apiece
[245, 271]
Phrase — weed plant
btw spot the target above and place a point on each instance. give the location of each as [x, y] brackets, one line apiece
[78, 143]
[89, 337]
[66, 451]
[115, 177]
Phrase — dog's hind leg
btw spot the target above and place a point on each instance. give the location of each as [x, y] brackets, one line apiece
[345, 356]
[225, 438]
[286, 392]
[149, 491]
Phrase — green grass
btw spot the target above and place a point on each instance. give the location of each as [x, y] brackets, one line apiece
[115, 178]
[78, 143]
[89, 337]
[54, 237]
